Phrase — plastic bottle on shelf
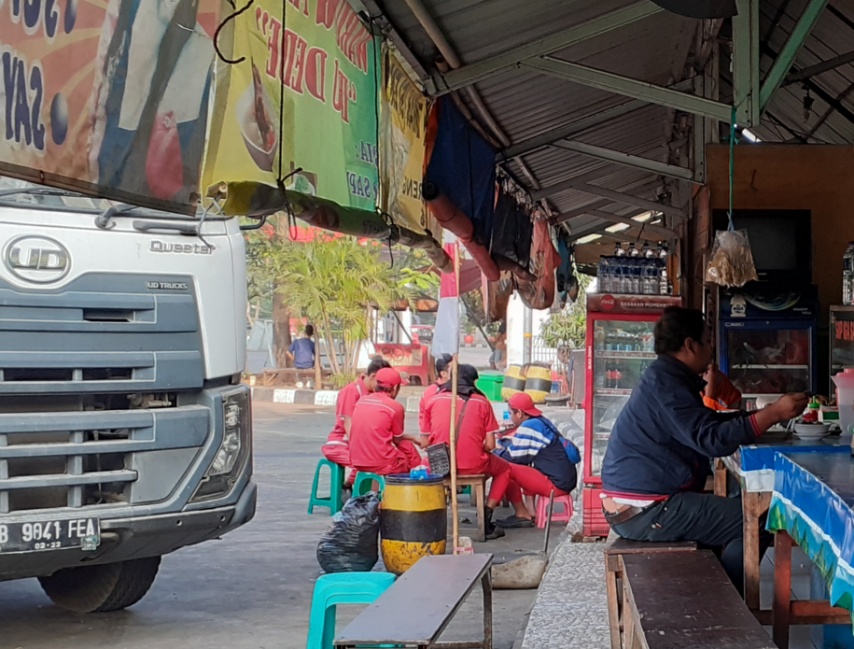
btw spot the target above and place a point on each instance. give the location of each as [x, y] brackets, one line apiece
[626, 280]
[647, 251]
[634, 251]
[663, 281]
[618, 250]
[848, 275]
[604, 275]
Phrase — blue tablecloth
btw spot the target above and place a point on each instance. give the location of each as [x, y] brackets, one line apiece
[754, 464]
[813, 500]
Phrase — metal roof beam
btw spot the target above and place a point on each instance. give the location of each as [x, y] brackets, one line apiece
[819, 68]
[745, 64]
[657, 230]
[626, 159]
[786, 58]
[474, 72]
[611, 195]
[633, 88]
[578, 126]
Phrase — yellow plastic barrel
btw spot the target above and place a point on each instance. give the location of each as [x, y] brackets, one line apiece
[514, 381]
[413, 521]
[538, 382]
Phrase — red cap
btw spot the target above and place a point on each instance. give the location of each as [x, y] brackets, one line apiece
[390, 377]
[523, 401]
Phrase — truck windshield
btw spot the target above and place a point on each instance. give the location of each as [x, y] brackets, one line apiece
[19, 193]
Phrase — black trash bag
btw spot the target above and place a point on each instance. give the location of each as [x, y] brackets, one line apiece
[351, 543]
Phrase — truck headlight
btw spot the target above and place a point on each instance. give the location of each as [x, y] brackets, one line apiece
[230, 457]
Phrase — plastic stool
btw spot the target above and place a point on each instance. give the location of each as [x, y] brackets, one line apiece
[341, 588]
[364, 483]
[336, 483]
[543, 510]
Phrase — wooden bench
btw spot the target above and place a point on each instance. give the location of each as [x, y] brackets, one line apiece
[477, 483]
[418, 607]
[290, 375]
[684, 600]
[614, 578]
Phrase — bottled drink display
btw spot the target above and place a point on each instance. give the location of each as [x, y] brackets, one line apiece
[643, 271]
[848, 275]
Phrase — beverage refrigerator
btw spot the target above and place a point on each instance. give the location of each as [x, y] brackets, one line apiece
[619, 348]
[841, 340]
[767, 337]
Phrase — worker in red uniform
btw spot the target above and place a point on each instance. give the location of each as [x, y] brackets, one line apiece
[443, 375]
[337, 447]
[476, 427]
[378, 443]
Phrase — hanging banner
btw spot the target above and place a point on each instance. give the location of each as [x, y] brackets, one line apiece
[319, 58]
[404, 121]
[108, 97]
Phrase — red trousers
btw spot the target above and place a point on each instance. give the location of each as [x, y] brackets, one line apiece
[496, 468]
[532, 481]
[339, 453]
[406, 459]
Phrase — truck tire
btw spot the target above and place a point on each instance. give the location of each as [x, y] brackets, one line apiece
[101, 588]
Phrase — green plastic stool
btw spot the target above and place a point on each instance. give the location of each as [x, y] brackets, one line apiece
[341, 588]
[364, 483]
[336, 483]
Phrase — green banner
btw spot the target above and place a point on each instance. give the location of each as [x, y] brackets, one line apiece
[319, 58]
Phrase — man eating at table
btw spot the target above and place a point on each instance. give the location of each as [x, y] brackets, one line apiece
[660, 449]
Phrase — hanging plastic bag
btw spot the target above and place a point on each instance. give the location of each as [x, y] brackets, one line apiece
[731, 262]
[351, 543]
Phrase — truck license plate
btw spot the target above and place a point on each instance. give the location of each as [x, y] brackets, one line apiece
[36, 536]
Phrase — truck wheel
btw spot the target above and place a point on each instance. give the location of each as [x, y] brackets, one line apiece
[101, 588]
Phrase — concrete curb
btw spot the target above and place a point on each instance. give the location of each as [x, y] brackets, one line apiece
[312, 397]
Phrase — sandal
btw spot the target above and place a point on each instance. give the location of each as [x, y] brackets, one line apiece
[515, 522]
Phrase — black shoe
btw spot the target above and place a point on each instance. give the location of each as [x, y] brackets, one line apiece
[515, 522]
[492, 530]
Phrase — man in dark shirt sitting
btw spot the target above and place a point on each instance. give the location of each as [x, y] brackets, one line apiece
[661, 445]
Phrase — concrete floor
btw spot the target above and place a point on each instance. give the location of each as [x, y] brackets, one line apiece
[252, 589]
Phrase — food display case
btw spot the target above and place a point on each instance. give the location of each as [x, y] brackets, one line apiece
[767, 340]
[841, 339]
[619, 349]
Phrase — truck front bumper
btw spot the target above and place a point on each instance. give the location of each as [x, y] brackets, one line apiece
[138, 537]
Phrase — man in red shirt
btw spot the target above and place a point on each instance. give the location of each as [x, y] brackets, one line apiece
[443, 375]
[378, 443]
[476, 427]
[337, 448]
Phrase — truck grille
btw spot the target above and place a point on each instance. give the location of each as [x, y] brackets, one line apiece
[86, 459]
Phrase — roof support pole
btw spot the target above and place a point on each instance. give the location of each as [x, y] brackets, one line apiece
[783, 63]
[474, 72]
[620, 85]
[625, 159]
[745, 64]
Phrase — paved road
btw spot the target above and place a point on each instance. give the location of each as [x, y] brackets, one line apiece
[251, 590]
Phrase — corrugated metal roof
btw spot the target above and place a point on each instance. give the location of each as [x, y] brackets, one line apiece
[655, 49]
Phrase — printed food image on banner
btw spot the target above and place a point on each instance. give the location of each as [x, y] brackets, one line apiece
[319, 57]
[109, 98]
[404, 121]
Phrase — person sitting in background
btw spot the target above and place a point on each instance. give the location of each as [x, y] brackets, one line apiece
[543, 462]
[378, 443]
[659, 450]
[476, 426]
[720, 393]
[301, 351]
[337, 447]
[443, 375]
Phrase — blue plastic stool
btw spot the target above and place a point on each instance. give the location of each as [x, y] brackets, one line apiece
[364, 483]
[336, 483]
[341, 588]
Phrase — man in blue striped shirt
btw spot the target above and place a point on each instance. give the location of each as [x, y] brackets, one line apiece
[542, 462]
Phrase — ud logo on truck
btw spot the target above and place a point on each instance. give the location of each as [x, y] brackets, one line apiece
[37, 259]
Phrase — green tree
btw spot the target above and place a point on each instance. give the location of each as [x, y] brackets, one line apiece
[569, 326]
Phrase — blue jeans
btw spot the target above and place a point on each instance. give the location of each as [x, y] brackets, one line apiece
[713, 522]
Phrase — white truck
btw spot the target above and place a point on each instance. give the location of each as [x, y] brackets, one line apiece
[125, 432]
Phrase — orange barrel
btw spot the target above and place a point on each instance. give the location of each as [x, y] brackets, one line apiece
[514, 381]
[538, 381]
[413, 521]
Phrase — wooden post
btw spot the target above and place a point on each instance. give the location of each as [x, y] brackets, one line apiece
[754, 505]
[455, 519]
[782, 589]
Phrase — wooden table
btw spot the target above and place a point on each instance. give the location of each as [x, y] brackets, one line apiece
[812, 505]
[418, 607]
[753, 466]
